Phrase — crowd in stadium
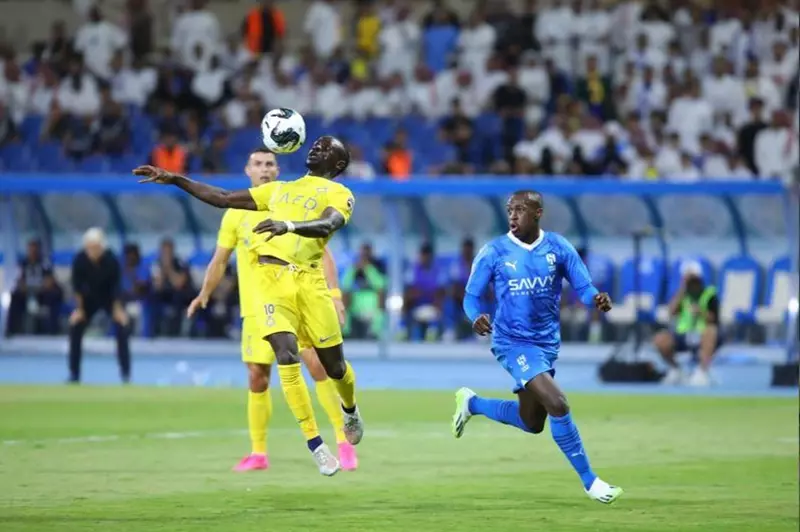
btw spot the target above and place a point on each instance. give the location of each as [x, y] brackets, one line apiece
[556, 87]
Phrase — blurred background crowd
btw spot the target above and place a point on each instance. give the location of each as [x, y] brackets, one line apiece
[682, 90]
[685, 90]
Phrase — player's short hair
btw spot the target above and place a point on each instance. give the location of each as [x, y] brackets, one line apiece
[346, 158]
[532, 194]
[261, 149]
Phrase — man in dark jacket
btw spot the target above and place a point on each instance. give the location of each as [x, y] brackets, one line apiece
[96, 282]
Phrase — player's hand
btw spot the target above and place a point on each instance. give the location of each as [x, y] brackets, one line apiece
[153, 174]
[602, 302]
[119, 316]
[77, 316]
[340, 310]
[201, 301]
[482, 326]
[274, 227]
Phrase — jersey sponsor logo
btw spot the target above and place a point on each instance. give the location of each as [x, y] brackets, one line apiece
[530, 284]
[512, 265]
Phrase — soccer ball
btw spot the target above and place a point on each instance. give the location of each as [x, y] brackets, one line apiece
[283, 130]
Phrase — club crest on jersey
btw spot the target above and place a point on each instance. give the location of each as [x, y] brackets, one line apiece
[551, 261]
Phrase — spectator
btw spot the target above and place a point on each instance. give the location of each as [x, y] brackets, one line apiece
[424, 296]
[476, 43]
[14, 91]
[135, 286]
[690, 115]
[724, 91]
[96, 285]
[264, 28]
[696, 308]
[140, 28]
[399, 42]
[131, 85]
[172, 291]
[647, 95]
[59, 47]
[459, 273]
[43, 91]
[113, 130]
[367, 29]
[758, 86]
[776, 148]
[98, 40]
[363, 286]
[214, 159]
[234, 55]
[391, 100]
[36, 300]
[439, 37]
[195, 35]
[168, 154]
[551, 30]
[8, 130]
[422, 93]
[458, 129]
[509, 103]
[78, 93]
[322, 26]
[359, 168]
[533, 77]
[218, 315]
[746, 137]
[79, 137]
[209, 86]
[397, 158]
[595, 90]
[781, 66]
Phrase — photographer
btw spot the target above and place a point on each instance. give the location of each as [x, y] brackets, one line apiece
[96, 283]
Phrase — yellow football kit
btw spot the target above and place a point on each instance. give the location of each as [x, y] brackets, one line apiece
[295, 297]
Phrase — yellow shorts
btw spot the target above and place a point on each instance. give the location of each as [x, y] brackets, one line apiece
[297, 302]
[255, 350]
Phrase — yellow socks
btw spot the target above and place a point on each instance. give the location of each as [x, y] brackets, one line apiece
[296, 393]
[259, 410]
[346, 387]
[329, 399]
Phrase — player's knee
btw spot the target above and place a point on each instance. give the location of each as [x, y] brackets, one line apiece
[557, 405]
[535, 425]
[258, 378]
[286, 357]
[663, 341]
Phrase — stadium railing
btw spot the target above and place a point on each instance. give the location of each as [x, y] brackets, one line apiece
[718, 222]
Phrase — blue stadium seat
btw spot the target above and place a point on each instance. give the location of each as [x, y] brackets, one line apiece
[31, 128]
[63, 257]
[15, 158]
[123, 164]
[245, 139]
[142, 133]
[740, 281]
[93, 164]
[49, 157]
[778, 291]
[651, 279]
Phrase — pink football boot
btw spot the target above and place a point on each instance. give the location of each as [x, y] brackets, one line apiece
[347, 457]
[252, 462]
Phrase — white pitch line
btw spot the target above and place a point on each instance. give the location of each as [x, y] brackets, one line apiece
[374, 433]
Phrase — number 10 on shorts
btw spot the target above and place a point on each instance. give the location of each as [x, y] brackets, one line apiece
[270, 311]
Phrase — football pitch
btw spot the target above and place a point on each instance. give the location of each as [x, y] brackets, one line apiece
[159, 459]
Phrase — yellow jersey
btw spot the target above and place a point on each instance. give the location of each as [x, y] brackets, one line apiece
[236, 232]
[298, 201]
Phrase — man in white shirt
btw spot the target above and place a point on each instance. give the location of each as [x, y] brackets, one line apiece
[399, 42]
[724, 91]
[323, 27]
[209, 85]
[14, 91]
[392, 100]
[98, 40]
[776, 148]
[647, 94]
[551, 30]
[359, 169]
[195, 27]
[781, 66]
[78, 93]
[759, 86]
[331, 101]
[690, 115]
[422, 93]
[134, 85]
[476, 44]
[535, 82]
[668, 157]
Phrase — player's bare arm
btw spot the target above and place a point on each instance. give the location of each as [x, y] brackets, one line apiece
[213, 276]
[324, 226]
[215, 196]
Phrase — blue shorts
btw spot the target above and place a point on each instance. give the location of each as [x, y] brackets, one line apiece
[524, 363]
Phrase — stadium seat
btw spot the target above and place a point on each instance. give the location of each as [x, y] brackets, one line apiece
[777, 293]
[93, 164]
[123, 164]
[739, 287]
[31, 129]
[15, 158]
[50, 158]
[651, 282]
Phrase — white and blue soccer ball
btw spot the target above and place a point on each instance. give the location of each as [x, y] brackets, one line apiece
[283, 130]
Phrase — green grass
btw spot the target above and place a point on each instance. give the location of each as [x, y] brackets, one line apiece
[687, 464]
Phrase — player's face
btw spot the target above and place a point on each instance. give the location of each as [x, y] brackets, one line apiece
[325, 158]
[261, 168]
[523, 215]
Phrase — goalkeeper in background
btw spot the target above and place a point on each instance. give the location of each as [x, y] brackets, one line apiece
[235, 230]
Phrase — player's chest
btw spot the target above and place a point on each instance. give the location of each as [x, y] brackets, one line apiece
[528, 272]
[311, 200]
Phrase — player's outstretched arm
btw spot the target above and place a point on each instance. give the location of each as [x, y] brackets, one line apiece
[215, 196]
[215, 271]
[324, 226]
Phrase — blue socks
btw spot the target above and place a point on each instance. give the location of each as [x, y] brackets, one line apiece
[505, 412]
[564, 431]
[313, 443]
[566, 435]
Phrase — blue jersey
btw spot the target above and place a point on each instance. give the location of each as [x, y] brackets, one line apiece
[527, 282]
